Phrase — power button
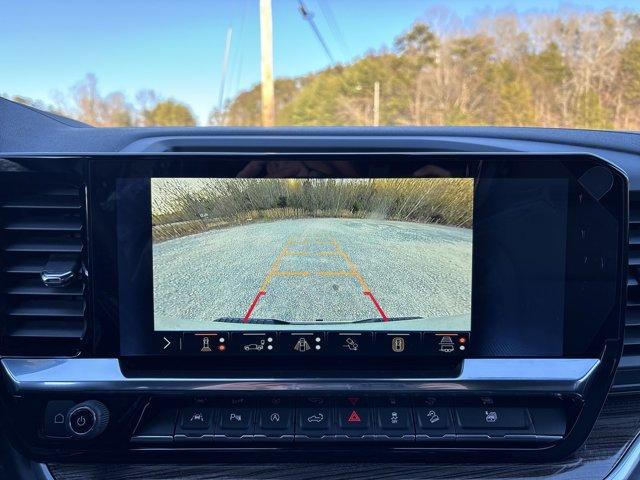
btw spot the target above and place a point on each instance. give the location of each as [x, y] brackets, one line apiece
[88, 419]
[82, 420]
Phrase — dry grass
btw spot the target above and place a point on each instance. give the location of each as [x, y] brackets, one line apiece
[186, 206]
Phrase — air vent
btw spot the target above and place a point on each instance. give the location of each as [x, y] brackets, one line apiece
[628, 375]
[43, 257]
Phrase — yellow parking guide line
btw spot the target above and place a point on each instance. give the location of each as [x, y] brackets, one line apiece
[337, 274]
[275, 267]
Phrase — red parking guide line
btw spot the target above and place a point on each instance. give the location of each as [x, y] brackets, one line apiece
[253, 305]
[377, 305]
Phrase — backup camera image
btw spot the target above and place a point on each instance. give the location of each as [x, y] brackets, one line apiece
[327, 254]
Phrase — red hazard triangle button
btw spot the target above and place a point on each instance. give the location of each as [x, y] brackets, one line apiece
[354, 417]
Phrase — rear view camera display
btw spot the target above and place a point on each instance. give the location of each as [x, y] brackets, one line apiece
[319, 254]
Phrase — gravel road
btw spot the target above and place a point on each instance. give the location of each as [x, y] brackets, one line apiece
[418, 272]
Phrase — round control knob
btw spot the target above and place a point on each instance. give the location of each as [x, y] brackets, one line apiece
[88, 419]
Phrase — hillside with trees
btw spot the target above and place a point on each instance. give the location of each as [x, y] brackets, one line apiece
[577, 69]
[85, 102]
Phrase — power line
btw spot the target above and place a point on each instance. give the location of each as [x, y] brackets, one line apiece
[308, 16]
[237, 64]
[225, 64]
[330, 18]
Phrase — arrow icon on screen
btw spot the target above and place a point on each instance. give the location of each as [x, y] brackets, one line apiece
[168, 343]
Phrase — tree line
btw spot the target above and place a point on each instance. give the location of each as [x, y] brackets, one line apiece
[85, 102]
[574, 70]
[579, 70]
[185, 207]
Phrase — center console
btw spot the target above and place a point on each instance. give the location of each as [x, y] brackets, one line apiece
[285, 303]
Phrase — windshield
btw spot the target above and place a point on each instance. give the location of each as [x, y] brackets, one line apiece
[326, 62]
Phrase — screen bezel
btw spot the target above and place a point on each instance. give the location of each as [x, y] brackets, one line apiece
[104, 171]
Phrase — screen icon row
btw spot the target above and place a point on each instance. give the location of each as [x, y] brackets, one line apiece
[313, 343]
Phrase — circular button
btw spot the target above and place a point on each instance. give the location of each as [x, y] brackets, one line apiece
[82, 420]
[88, 419]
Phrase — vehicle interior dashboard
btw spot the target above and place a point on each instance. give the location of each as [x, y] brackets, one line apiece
[305, 300]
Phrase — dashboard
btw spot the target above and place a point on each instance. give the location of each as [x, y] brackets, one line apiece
[331, 294]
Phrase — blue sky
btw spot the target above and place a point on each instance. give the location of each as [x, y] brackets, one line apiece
[176, 47]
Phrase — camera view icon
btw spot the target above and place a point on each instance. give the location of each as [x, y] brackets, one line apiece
[446, 344]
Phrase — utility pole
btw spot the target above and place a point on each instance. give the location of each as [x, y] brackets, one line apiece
[266, 63]
[376, 104]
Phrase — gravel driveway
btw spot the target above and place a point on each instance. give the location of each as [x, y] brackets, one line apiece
[323, 271]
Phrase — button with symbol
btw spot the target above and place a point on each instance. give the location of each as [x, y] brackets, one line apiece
[445, 343]
[395, 419]
[205, 344]
[168, 342]
[253, 343]
[81, 421]
[397, 343]
[55, 416]
[304, 343]
[354, 418]
[236, 422]
[350, 343]
[433, 418]
[492, 417]
[236, 418]
[276, 418]
[195, 418]
[314, 418]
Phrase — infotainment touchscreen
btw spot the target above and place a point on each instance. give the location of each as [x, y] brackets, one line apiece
[348, 255]
[362, 256]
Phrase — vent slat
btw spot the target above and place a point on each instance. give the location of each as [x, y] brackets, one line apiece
[60, 202]
[36, 287]
[61, 245]
[45, 224]
[29, 265]
[632, 281]
[632, 336]
[632, 317]
[47, 329]
[51, 308]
